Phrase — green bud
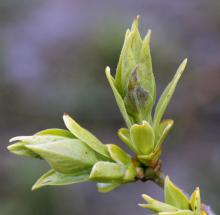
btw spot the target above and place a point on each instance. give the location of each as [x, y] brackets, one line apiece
[174, 196]
[134, 84]
[142, 137]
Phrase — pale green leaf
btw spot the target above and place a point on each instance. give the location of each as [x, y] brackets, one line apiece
[167, 95]
[174, 196]
[124, 135]
[118, 75]
[195, 202]
[157, 206]
[67, 155]
[142, 137]
[104, 171]
[118, 97]
[107, 187]
[180, 212]
[118, 154]
[19, 148]
[145, 74]
[85, 136]
[38, 139]
[162, 131]
[53, 178]
[56, 132]
[136, 42]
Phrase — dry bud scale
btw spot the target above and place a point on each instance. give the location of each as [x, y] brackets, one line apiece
[75, 155]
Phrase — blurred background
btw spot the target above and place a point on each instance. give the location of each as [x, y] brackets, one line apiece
[52, 60]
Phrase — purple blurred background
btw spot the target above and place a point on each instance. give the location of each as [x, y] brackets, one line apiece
[52, 60]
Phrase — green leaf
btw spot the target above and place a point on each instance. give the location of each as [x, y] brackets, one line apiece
[136, 42]
[130, 173]
[118, 155]
[53, 178]
[124, 135]
[118, 75]
[19, 148]
[118, 97]
[162, 131]
[67, 155]
[157, 206]
[56, 132]
[142, 137]
[180, 212]
[85, 136]
[195, 202]
[127, 63]
[174, 196]
[145, 73]
[167, 95]
[107, 187]
[104, 171]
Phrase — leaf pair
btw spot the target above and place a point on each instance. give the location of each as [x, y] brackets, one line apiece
[142, 139]
[176, 202]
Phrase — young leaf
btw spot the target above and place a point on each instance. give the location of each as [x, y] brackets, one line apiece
[19, 148]
[157, 206]
[162, 131]
[136, 39]
[174, 196]
[37, 139]
[56, 132]
[104, 171]
[118, 155]
[66, 156]
[53, 178]
[195, 202]
[107, 187]
[180, 212]
[167, 95]
[124, 135]
[85, 136]
[118, 75]
[142, 136]
[118, 98]
[130, 173]
[145, 73]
